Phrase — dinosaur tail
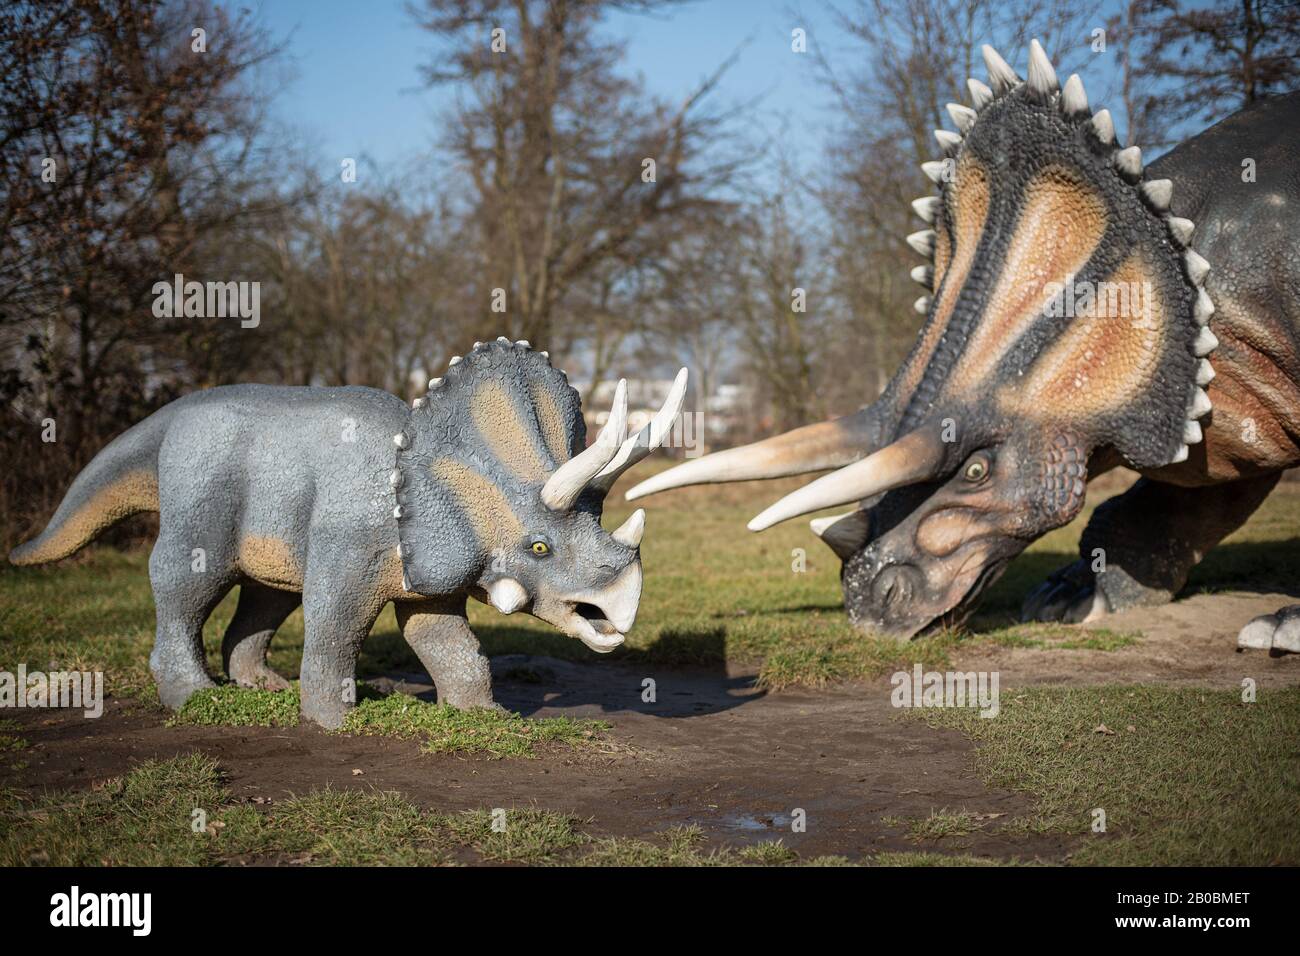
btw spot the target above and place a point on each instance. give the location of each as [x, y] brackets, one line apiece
[122, 480]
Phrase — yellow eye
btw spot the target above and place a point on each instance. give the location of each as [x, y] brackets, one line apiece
[976, 470]
[540, 547]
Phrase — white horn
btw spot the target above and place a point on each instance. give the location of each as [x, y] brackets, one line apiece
[630, 531]
[1042, 76]
[810, 448]
[647, 439]
[1001, 76]
[1074, 99]
[567, 482]
[915, 457]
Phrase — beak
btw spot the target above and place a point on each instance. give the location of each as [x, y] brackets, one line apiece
[599, 618]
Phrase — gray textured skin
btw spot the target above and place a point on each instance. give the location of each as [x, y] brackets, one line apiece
[289, 492]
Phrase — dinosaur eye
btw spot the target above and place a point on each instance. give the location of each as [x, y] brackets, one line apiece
[540, 548]
[976, 470]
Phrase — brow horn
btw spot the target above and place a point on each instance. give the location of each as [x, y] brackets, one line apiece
[915, 457]
[647, 439]
[810, 448]
[568, 481]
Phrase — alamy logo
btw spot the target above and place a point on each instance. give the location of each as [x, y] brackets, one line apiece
[946, 689]
[75, 689]
[103, 909]
[1095, 300]
[208, 300]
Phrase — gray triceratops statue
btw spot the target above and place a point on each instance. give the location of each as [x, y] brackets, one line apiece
[343, 499]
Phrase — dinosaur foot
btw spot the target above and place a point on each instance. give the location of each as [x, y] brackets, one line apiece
[173, 692]
[1070, 596]
[1075, 595]
[1276, 633]
[248, 668]
[470, 698]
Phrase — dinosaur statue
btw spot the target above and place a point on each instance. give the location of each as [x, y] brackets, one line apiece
[343, 499]
[1085, 313]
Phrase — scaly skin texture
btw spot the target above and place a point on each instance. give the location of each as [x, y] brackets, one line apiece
[1156, 533]
[291, 493]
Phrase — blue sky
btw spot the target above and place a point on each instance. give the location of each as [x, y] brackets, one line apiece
[355, 91]
[355, 87]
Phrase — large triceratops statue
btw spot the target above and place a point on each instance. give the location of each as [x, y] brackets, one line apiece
[344, 499]
[1077, 303]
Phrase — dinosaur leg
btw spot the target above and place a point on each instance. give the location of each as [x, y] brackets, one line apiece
[440, 636]
[339, 606]
[1276, 633]
[243, 651]
[1147, 541]
[184, 594]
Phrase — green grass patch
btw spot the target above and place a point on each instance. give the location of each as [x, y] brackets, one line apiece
[440, 727]
[918, 858]
[142, 819]
[1059, 637]
[1186, 777]
[518, 836]
[233, 706]
[444, 729]
[939, 824]
[179, 813]
[10, 742]
[338, 828]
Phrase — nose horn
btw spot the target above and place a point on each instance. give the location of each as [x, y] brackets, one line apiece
[630, 531]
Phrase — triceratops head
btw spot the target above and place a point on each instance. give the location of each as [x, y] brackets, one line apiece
[496, 492]
[1067, 324]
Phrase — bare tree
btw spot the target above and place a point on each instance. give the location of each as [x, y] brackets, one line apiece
[124, 144]
[1207, 61]
[570, 164]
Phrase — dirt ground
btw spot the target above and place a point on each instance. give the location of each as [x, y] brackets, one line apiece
[1191, 641]
[711, 750]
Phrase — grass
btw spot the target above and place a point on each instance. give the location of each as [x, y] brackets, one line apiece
[1047, 637]
[441, 728]
[1200, 778]
[9, 742]
[939, 824]
[444, 729]
[232, 706]
[1187, 777]
[179, 813]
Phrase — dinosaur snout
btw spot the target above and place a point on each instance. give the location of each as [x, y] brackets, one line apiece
[896, 586]
[601, 616]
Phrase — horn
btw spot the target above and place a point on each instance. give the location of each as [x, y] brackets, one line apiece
[567, 482]
[647, 439]
[1002, 78]
[844, 534]
[1042, 76]
[916, 456]
[810, 448]
[630, 531]
[507, 595]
